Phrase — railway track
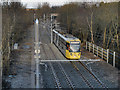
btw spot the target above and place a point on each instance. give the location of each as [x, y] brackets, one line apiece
[93, 75]
[90, 73]
[83, 77]
[60, 67]
[81, 74]
[72, 86]
[58, 85]
[63, 71]
[55, 76]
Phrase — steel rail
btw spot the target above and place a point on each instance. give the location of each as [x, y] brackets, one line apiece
[53, 71]
[79, 73]
[67, 78]
[93, 75]
[63, 71]
[56, 78]
[86, 81]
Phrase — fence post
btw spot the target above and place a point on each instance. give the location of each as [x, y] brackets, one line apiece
[93, 48]
[89, 47]
[97, 50]
[102, 53]
[113, 59]
[107, 55]
[86, 44]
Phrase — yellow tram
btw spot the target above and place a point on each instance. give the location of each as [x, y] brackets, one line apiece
[67, 44]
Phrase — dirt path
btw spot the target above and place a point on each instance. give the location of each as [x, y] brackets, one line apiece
[22, 66]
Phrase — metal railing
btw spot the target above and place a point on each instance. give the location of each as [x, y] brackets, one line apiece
[110, 56]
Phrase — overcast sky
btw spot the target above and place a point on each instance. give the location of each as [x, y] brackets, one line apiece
[34, 3]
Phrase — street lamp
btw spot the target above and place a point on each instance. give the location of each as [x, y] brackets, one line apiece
[37, 51]
[37, 21]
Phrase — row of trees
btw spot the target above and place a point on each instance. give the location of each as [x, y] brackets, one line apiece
[15, 21]
[96, 23]
[43, 10]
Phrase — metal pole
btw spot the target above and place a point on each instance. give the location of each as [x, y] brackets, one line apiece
[34, 16]
[37, 53]
[93, 48]
[114, 59]
[97, 50]
[55, 25]
[44, 17]
[89, 47]
[57, 40]
[86, 44]
[102, 53]
[107, 55]
[51, 31]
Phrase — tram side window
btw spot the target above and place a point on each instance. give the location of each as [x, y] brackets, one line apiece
[67, 46]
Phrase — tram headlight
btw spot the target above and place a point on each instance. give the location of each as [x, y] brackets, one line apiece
[79, 54]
